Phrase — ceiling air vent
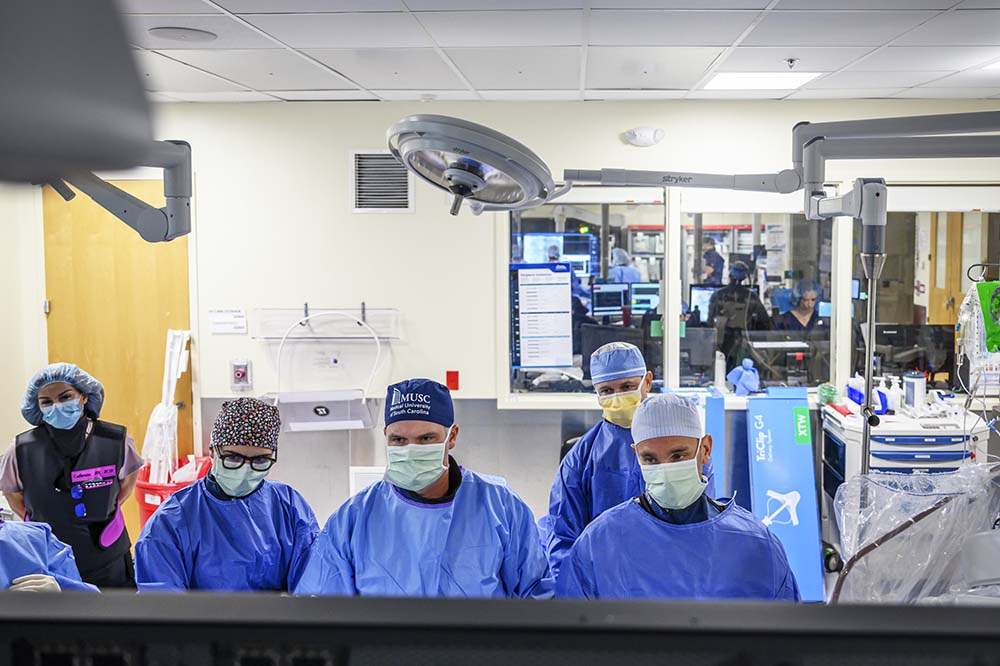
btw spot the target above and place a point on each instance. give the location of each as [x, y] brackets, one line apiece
[381, 184]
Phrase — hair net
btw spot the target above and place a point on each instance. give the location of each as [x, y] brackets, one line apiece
[419, 400]
[616, 360]
[666, 415]
[247, 422]
[619, 257]
[553, 252]
[739, 271]
[803, 287]
[67, 373]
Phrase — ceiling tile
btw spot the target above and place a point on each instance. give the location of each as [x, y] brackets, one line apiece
[264, 70]
[986, 78]
[927, 58]
[470, 5]
[310, 6]
[228, 97]
[165, 7]
[833, 28]
[162, 74]
[856, 93]
[160, 98]
[865, 4]
[530, 95]
[427, 95]
[875, 79]
[633, 94]
[949, 93]
[322, 95]
[679, 4]
[661, 28]
[961, 28]
[520, 68]
[519, 28]
[391, 69]
[772, 59]
[737, 94]
[231, 33]
[330, 31]
[647, 66]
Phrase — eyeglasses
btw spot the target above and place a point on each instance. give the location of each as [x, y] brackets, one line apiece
[257, 463]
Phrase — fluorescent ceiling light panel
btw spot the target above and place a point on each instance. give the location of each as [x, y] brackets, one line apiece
[995, 65]
[760, 80]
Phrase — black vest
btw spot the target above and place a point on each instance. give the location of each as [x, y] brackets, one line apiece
[78, 510]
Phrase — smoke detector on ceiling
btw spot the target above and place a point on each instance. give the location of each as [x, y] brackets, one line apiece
[187, 35]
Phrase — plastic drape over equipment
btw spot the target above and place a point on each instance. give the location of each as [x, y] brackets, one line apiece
[903, 534]
[159, 448]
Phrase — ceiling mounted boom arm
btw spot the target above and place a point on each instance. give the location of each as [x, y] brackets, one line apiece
[152, 224]
[784, 182]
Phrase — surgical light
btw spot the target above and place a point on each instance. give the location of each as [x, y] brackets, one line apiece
[760, 80]
[471, 162]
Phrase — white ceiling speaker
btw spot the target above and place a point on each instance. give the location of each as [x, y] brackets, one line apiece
[643, 137]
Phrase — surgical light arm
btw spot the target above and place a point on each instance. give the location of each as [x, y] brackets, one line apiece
[151, 223]
[785, 182]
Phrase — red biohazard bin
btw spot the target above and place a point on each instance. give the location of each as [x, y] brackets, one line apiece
[151, 495]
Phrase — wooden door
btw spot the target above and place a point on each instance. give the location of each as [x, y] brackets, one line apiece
[946, 268]
[112, 298]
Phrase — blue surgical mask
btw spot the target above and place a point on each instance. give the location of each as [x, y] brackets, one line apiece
[63, 415]
[237, 482]
[414, 467]
[675, 485]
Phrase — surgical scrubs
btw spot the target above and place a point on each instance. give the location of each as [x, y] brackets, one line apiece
[31, 548]
[599, 473]
[383, 542]
[201, 540]
[628, 553]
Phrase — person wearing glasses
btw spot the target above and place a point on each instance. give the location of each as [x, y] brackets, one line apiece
[73, 471]
[234, 530]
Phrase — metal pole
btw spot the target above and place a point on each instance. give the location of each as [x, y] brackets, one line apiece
[872, 264]
[699, 240]
[605, 239]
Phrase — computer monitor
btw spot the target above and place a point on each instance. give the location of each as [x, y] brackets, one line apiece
[700, 296]
[855, 289]
[608, 300]
[645, 297]
[824, 309]
[902, 347]
[580, 250]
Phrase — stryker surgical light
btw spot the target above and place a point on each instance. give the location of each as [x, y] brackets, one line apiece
[495, 172]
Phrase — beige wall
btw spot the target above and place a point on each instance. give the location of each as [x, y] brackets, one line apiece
[23, 347]
[274, 226]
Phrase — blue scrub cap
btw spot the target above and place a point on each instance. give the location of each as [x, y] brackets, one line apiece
[619, 257]
[616, 360]
[419, 400]
[803, 287]
[666, 415]
[66, 373]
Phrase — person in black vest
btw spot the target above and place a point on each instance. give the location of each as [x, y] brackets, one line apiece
[73, 472]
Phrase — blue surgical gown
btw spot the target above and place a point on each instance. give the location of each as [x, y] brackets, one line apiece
[483, 543]
[629, 554]
[599, 473]
[31, 548]
[196, 541]
[624, 274]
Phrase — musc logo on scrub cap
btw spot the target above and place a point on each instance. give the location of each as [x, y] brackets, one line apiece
[399, 398]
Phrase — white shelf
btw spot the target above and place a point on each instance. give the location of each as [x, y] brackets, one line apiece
[273, 323]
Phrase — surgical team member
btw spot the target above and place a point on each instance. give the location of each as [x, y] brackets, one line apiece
[673, 541]
[600, 471]
[32, 559]
[803, 315]
[73, 471]
[431, 528]
[622, 270]
[234, 530]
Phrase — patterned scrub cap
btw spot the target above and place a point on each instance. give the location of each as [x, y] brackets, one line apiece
[247, 422]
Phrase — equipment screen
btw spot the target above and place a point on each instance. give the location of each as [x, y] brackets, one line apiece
[701, 295]
[645, 297]
[608, 299]
[825, 309]
[580, 250]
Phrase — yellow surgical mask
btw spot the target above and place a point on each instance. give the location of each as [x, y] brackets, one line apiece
[619, 408]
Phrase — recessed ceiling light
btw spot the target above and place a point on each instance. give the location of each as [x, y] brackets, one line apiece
[995, 65]
[189, 35]
[760, 80]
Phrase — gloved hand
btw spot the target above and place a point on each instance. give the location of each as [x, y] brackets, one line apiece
[35, 583]
[744, 378]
